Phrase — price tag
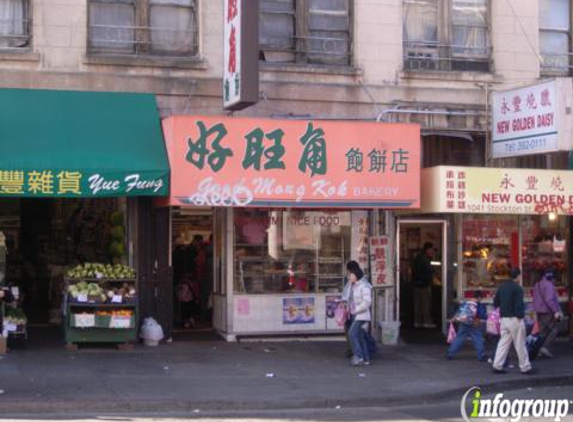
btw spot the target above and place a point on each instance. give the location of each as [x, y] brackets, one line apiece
[99, 275]
[120, 322]
[84, 320]
[82, 298]
[117, 299]
[16, 292]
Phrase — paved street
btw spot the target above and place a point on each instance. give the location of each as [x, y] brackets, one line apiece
[447, 410]
[185, 377]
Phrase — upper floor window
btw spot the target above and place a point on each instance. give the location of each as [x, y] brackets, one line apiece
[167, 27]
[446, 35]
[14, 24]
[554, 42]
[305, 31]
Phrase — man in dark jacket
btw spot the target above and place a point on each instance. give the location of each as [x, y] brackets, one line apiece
[422, 276]
[509, 300]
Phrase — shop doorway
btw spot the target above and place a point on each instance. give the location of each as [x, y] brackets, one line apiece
[422, 296]
[41, 239]
[192, 262]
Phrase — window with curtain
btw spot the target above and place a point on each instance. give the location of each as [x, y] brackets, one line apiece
[305, 31]
[167, 27]
[446, 35]
[554, 24]
[14, 24]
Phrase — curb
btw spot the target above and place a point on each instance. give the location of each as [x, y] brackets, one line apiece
[146, 407]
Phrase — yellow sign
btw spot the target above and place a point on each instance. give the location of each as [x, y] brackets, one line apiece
[476, 190]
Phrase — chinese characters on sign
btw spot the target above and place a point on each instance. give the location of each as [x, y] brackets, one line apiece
[240, 67]
[239, 162]
[40, 182]
[530, 120]
[66, 183]
[380, 261]
[498, 190]
[455, 190]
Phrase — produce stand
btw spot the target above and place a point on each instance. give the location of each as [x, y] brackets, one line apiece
[107, 313]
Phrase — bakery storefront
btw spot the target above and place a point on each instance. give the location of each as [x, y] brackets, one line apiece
[522, 215]
[291, 203]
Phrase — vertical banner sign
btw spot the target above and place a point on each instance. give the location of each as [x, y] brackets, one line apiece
[241, 54]
[380, 261]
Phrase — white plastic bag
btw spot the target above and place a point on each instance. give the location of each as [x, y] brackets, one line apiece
[151, 332]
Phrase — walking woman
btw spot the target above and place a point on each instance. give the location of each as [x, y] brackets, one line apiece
[360, 301]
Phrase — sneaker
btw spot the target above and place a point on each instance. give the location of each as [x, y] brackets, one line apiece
[356, 361]
[499, 371]
[530, 372]
[545, 352]
[366, 362]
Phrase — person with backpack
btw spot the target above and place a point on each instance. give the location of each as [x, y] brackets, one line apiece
[509, 300]
[360, 300]
[547, 309]
[469, 316]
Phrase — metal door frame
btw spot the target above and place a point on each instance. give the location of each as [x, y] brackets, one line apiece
[420, 221]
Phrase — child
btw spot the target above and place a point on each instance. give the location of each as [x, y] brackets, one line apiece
[468, 317]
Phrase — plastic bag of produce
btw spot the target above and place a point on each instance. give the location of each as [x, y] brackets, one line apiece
[151, 332]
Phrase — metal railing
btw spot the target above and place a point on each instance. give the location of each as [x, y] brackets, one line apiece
[15, 34]
[142, 39]
[560, 64]
[427, 56]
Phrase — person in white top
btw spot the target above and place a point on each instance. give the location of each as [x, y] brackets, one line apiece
[360, 300]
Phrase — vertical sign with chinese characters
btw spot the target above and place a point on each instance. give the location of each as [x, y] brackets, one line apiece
[532, 119]
[381, 261]
[241, 54]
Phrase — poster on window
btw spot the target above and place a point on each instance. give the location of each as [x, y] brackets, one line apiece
[332, 302]
[298, 310]
[380, 261]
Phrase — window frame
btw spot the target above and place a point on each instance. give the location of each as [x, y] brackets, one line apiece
[554, 70]
[302, 53]
[442, 56]
[26, 37]
[142, 41]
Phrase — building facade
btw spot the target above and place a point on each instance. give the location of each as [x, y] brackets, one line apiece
[428, 62]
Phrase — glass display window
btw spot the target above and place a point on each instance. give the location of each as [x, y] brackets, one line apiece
[485, 239]
[297, 251]
[544, 247]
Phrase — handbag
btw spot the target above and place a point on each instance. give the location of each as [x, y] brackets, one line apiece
[493, 323]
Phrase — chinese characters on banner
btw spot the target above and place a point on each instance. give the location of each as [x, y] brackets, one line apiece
[70, 184]
[531, 119]
[381, 261]
[241, 54]
[220, 161]
[497, 190]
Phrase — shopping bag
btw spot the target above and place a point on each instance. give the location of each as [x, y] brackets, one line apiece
[493, 323]
[451, 333]
[535, 329]
[340, 315]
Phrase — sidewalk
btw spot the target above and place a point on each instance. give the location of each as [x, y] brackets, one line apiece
[215, 375]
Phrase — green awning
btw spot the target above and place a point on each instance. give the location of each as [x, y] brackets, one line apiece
[80, 144]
